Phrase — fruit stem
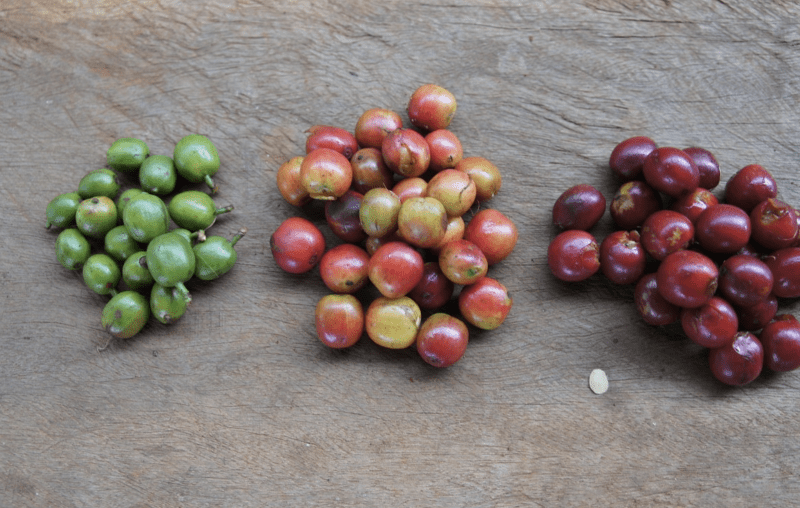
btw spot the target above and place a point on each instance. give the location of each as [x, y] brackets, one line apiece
[224, 209]
[187, 297]
[214, 188]
[239, 235]
[199, 235]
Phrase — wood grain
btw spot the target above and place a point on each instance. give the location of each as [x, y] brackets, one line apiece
[238, 404]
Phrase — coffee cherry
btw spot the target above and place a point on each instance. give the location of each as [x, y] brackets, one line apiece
[706, 164]
[573, 255]
[339, 320]
[749, 186]
[297, 245]
[711, 325]
[622, 257]
[335, 138]
[654, 309]
[579, 207]
[687, 278]
[781, 340]
[442, 340]
[627, 158]
[774, 224]
[738, 363]
[785, 267]
[723, 228]
[671, 171]
[744, 280]
[665, 232]
[431, 107]
[633, 203]
[485, 304]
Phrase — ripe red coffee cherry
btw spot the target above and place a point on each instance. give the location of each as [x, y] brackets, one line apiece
[781, 340]
[446, 150]
[711, 325]
[723, 228]
[755, 317]
[622, 257]
[345, 268]
[434, 289]
[785, 267]
[687, 278]
[493, 233]
[395, 269]
[335, 138]
[485, 304]
[431, 107]
[634, 202]
[653, 308]
[297, 245]
[693, 204]
[442, 340]
[749, 186]
[325, 174]
[374, 125]
[627, 157]
[573, 255]
[339, 320]
[414, 187]
[463, 262]
[342, 216]
[288, 179]
[671, 171]
[665, 232]
[369, 170]
[579, 207]
[744, 280]
[706, 164]
[406, 152]
[739, 362]
[774, 224]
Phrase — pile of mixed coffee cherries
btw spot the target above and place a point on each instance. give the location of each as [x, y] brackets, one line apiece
[399, 199]
[720, 267]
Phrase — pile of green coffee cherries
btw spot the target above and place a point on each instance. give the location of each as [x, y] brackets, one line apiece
[135, 246]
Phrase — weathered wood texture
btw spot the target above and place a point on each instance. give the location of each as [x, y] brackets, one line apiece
[239, 404]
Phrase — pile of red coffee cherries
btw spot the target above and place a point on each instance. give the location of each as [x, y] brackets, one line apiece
[716, 266]
[397, 197]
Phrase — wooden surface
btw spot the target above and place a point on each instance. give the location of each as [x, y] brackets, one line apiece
[239, 404]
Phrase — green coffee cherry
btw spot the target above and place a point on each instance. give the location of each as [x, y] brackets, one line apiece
[127, 154]
[123, 200]
[96, 216]
[61, 210]
[215, 256]
[135, 273]
[195, 210]
[100, 182]
[171, 261]
[196, 159]
[146, 217]
[167, 304]
[101, 274]
[72, 249]
[119, 244]
[126, 314]
[157, 175]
